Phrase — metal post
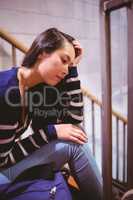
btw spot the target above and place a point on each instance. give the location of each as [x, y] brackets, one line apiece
[107, 105]
[130, 99]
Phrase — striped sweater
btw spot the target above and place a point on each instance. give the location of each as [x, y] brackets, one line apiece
[60, 104]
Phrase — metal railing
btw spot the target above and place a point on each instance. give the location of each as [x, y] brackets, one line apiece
[119, 133]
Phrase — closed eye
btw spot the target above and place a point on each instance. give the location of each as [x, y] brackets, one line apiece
[64, 61]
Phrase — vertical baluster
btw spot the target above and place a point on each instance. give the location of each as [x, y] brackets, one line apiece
[117, 148]
[84, 111]
[13, 55]
[93, 127]
[124, 152]
[101, 134]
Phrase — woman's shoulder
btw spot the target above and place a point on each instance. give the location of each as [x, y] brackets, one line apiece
[8, 79]
[9, 74]
[9, 95]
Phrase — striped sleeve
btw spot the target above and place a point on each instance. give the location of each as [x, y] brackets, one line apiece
[74, 112]
[21, 148]
[49, 129]
[24, 147]
[13, 150]
[7, 139]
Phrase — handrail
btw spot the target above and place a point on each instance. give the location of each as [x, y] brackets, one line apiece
[13, 41]
[88, 94]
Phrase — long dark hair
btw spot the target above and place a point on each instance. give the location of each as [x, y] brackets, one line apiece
[47, 41]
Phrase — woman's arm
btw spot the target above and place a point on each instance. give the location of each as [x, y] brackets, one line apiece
[73, 112]
[7, 138]
[74, 109]
[13, 151]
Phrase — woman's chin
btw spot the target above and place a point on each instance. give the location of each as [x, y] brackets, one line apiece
[52, 83]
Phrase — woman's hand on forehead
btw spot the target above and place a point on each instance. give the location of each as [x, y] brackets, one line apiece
[79, 51]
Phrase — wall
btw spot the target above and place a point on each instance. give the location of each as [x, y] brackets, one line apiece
[26, 18]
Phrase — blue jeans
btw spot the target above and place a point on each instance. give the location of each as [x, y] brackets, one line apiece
[82, 165]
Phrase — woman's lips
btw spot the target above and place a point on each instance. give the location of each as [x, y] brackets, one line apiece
[59, 78]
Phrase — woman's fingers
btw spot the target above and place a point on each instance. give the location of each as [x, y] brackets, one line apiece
[76, 140]
[80, 131]
[79, 134]
[79, 137]
[76, 42]
[77, 46]
[78, 52]
[71, 132]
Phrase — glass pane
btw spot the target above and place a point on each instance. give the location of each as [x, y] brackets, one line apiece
[119, 90]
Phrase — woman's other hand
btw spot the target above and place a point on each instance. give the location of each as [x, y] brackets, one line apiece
[78, 51]
[71, 132]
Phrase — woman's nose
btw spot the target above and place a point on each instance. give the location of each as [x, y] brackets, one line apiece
[64, 74]
[65, 70]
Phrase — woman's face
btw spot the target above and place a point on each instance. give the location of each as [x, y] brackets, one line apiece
[54, 67]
